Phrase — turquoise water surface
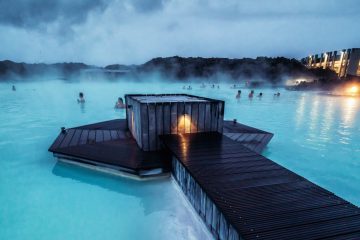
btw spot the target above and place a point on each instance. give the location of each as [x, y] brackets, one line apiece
[316, 136]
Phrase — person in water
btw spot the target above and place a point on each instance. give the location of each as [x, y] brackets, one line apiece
[238, 95]
[120, 103]
[251, 94]
[260, 95]
[13, 88]
[277, 94]
[81, 98]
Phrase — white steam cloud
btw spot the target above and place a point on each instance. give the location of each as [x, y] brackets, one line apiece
[132, 32]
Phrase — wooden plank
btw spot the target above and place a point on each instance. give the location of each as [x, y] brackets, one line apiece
[114, 135]
[194, 117]
[257, 197]
[167, 118]
[180, 117]
[188, 122]
[92, 136]
[58, 141]
[106, 135]
[67, 139]
[117, 154]
[201, 122]
[121, 135]
[144, 127]
[99, 136]
[318, 230]
[76, 138]
[214, 116]
[130, 114]
[208, 117]
[159, 123]
[152, 127]
[174, 118]
[84, 136]
[139, 122]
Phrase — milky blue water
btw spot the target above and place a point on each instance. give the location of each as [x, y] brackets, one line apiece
[316, 136]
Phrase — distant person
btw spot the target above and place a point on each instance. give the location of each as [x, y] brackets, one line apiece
[13, 88]
[218, 86]
[189, 87]
[120, 103]
[81, 98]
[251, 94]
[238, 95]
[277, 94]
[260, 95]
[213, 86]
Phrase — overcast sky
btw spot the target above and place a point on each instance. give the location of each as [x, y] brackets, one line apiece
[101, 32]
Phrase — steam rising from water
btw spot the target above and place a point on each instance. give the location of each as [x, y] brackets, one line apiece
[132, 32]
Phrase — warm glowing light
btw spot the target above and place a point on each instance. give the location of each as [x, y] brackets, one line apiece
[354, 89]
[185, 124]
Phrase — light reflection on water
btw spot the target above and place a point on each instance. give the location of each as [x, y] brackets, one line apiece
[317, 136]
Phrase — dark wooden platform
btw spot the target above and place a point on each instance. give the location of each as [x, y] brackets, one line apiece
[108, 144]
[258, 197]
[252, 138]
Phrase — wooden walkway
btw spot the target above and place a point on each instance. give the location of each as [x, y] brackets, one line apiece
[252, 138]
[258, 197]
[108, 144]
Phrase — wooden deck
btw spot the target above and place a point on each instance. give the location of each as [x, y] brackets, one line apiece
[252, 138]
[258, 197]
[108, 144]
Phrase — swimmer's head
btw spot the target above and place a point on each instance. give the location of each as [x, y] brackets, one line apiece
[81, 95]
[120, 99]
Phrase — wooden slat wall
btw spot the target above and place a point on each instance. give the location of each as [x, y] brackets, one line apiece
[134, 119]
[201, 123]
[167, 118]
[159, 122]
[207, 117]
[194, 117]
[173, 118]
[180, 120]
[129, 111]
[137, 121]
[153, 119]
[220, 117]
[152, 126]
[144, 123]
[188, 109]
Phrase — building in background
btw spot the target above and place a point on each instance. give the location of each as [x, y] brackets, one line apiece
[344, 62]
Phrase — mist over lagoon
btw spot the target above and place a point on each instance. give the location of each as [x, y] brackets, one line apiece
[169, 119]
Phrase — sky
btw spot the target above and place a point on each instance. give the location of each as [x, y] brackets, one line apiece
[102, 32]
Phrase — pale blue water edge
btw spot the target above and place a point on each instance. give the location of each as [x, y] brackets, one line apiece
[316, 136]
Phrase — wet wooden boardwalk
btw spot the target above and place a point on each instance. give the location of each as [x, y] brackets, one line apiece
[252, 138]
[258, 197]
[107, 144]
